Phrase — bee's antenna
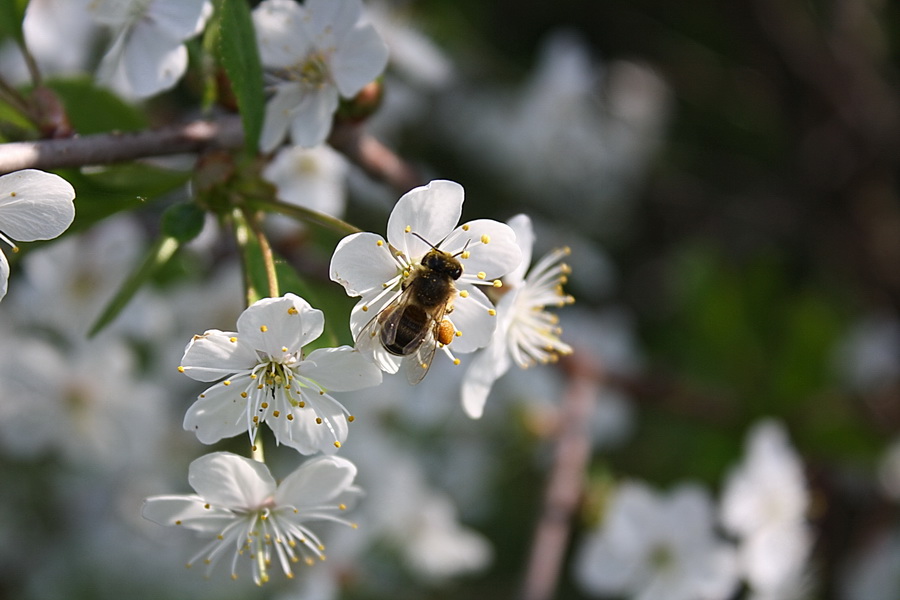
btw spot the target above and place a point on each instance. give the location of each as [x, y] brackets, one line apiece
[463, 248]
[433, 247]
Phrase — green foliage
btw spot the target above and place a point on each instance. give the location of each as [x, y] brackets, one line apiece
[159, 254]
[11, 14]
[106, 191]
[183, 221]
[240, 57]
[95, 110]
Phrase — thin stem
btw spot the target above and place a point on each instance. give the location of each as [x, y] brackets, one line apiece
[11, 96]
[33, 69]
[253, 220]
[242, 238]
[301, 213]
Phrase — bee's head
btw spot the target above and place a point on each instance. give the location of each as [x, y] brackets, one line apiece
[441, 262]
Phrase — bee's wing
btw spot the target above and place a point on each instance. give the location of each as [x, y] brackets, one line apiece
[369, 339]
[417, 365]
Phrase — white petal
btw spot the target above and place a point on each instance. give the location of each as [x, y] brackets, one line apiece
[362, 262]
[153, 61]
[215, 354]
[311, 119]
[186, 511]
[485, 368]
[304, 434]
[430, 211]
[471, 316]
[35, 205]
[281, 37]
[4, 275]
[282, 325]
[278, 115]
[360, 57]
[180, 19]
[521, 226]
[219, 413]
[318, 481]
[340, 369]
[335, 16]
[491, 246]
[231, 481]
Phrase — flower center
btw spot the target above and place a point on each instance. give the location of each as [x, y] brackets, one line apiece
[313, 71]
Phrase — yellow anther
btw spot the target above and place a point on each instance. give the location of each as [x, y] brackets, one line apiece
[465, 254]
[301, 404]
[497, 283]
[337, 444]
[206, 505]
[457, 333]
[253, 376]
[284, 348]
[292, 310]
[407, 229]
[290, 417]
[234, 576]
[276, 413]
[464, 293]
[232, 339]
[180, 369]
[485, 239]
[423, 365]
[178, 522]
[264, 405]
[255, 419]
[342, 506]
[365, 308]
[202, 396]
[263, 328]
[379, 243]
[318, 420]
[492, 312]
[253, 447]
[481, 275]
[465, 227]
[243, 394]
[226, 382]
[456, 361]
[351, 418]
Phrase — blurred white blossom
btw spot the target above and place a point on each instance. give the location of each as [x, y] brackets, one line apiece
[764, 505]
[147, 54]
[315, 53]
[310, 177]
[657, 547]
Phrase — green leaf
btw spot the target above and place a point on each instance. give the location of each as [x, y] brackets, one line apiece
[94, 110]
[107, 191]
[240, 57]
[183, 221]
[11, 14]
[159, 254]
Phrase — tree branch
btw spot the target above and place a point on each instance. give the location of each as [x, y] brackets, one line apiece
[566, 482]
[350, 139]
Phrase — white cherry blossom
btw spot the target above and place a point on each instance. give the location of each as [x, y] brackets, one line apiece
[764, 504]
[266, 377]
[147, 54]
[526, 334]
[656, 547]
[34, 205]
[249, 516]
[314, 53]
[423, 219]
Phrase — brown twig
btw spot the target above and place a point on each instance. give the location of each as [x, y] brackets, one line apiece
[566, 482]
[373, 157]
[351, 139]
[107, 148]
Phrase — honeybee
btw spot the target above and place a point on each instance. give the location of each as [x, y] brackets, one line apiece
[414, 324]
